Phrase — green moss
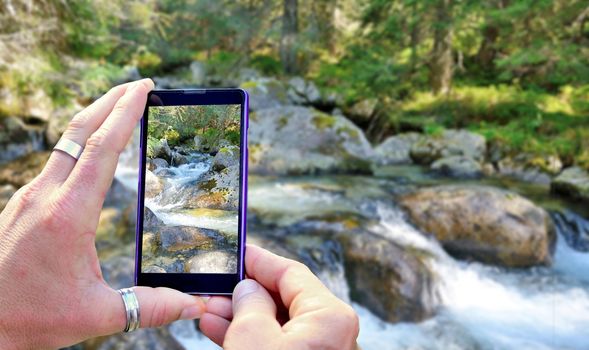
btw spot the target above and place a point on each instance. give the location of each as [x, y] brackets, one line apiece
[352, 133]
[249, 85]
[208, 185]
[282, 121]
[323, 121]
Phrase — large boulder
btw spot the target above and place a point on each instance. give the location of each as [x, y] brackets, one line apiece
[162, 150]
[216, 190]
[572, 182]
[300, 140]
[225, 158]
[391, 281]
[18, 139]
[303, 92]
[396, 149]
[457, 166]
[449, 143]
[23, 170]
[265, 93]
[483, 223]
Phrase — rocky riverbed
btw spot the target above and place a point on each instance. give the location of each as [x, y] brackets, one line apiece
[438, 241]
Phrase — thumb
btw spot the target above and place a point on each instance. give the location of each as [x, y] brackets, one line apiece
[157, 307]
[254, 312]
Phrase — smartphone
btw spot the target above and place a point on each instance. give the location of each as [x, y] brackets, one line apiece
[192, 193]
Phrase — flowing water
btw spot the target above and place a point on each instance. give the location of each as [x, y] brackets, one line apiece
[480, 306]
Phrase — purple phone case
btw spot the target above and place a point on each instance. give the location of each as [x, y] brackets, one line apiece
[242, 210]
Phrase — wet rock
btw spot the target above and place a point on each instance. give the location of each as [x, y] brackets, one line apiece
[521, 167]
[303, 92]
[175, 238]
[388, 279]
[150, 220]
[6, 192]
[164, 172]
[299, 140]
[178, 159]
[213, 262]
[574, 228]
[572, 182]
[483, 223]
[158, 163]
[225, 158]
[23, 170]
[265, 93]
[215, 190]
[396, 149]
[18, 139]
[449, 143]
[161, 150]
[457, 166]
[154, 185]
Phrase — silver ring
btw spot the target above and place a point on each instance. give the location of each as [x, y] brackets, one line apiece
[69, 147]
[131, 309]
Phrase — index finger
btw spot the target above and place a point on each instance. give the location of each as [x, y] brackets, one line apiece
[299, 289]
[93, 173]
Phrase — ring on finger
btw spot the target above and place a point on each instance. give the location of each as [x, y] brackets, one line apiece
[131, 309]
[69, 147]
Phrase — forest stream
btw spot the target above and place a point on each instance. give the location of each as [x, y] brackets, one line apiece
[477, 306]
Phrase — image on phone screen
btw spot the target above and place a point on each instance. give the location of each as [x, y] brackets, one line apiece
[190, 222]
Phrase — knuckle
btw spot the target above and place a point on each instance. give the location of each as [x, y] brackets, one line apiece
[28, 195]
[96, 141]
[79, 120]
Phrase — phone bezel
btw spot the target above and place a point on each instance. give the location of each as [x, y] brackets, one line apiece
[195, 283]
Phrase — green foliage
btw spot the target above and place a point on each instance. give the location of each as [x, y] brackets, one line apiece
[180, 124]
[266, 64]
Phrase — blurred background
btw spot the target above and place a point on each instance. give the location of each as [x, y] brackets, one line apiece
[427, 159]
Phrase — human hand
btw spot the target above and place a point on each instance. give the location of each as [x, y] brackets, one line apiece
[52, 292]
[313, 317]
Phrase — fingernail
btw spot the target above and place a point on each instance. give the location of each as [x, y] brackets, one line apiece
[244, 288]
[191, 312]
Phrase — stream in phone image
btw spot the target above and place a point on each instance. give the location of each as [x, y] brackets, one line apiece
[192, 190]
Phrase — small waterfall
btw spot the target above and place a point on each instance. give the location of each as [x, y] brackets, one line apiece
[497, 307]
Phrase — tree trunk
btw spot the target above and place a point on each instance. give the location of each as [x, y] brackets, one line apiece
[442, 63]
[290, 28]
[324, 17]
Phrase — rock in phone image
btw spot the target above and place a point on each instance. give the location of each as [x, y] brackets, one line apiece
[192, 189]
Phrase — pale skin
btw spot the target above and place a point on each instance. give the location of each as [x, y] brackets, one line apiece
[52, 293]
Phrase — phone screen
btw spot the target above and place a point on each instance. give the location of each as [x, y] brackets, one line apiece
[192, 187]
